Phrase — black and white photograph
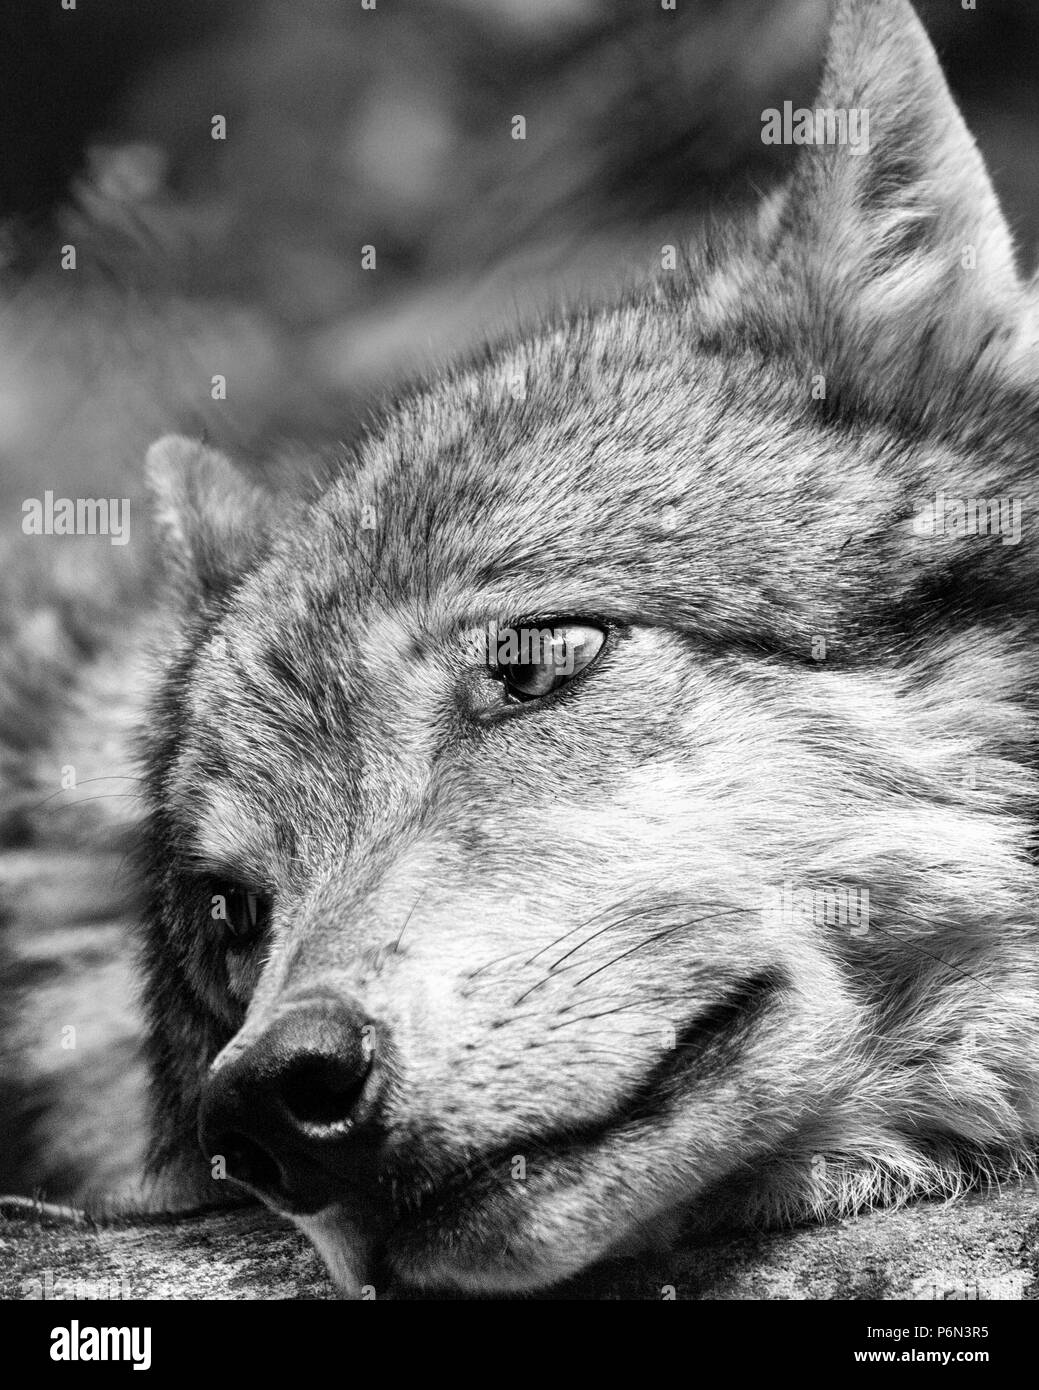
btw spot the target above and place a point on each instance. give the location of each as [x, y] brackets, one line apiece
[519, 729]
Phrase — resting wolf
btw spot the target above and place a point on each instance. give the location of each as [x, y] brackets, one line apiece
[605, 806]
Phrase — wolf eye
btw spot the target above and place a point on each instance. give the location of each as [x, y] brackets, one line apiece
[248, 913]
[533, 661]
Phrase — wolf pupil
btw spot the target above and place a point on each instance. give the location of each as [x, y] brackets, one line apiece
[529, 680]
[247, 913]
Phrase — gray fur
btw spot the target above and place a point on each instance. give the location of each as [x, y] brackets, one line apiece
[559, 912]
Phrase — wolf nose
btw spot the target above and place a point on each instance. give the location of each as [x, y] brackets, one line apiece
[296, 1108]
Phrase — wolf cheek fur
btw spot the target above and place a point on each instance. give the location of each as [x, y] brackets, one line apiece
[550, 915]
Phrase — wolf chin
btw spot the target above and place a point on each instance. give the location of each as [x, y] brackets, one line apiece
[469, 968]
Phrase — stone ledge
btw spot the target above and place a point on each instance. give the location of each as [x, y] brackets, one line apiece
[982, 1247]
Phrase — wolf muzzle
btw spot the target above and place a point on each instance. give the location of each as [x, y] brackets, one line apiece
[298, 1107]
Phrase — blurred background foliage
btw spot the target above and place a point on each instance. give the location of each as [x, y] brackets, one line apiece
[349, 127]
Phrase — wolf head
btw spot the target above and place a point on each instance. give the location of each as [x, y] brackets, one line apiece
[611, 797]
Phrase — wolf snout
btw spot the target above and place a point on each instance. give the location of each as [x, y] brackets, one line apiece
[294, 1114]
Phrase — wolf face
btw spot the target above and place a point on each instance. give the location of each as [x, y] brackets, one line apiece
[718, 901]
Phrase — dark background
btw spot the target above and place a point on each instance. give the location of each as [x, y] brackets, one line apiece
[349, 127]
[121, 70]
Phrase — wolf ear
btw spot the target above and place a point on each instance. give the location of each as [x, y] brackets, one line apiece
[210, 521]
[889, 258]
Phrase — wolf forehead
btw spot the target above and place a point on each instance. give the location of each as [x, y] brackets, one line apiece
[606, 468]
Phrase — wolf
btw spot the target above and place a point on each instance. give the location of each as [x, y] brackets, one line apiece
[482, 960]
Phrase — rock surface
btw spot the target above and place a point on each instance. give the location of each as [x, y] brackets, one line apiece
[982, 1247]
